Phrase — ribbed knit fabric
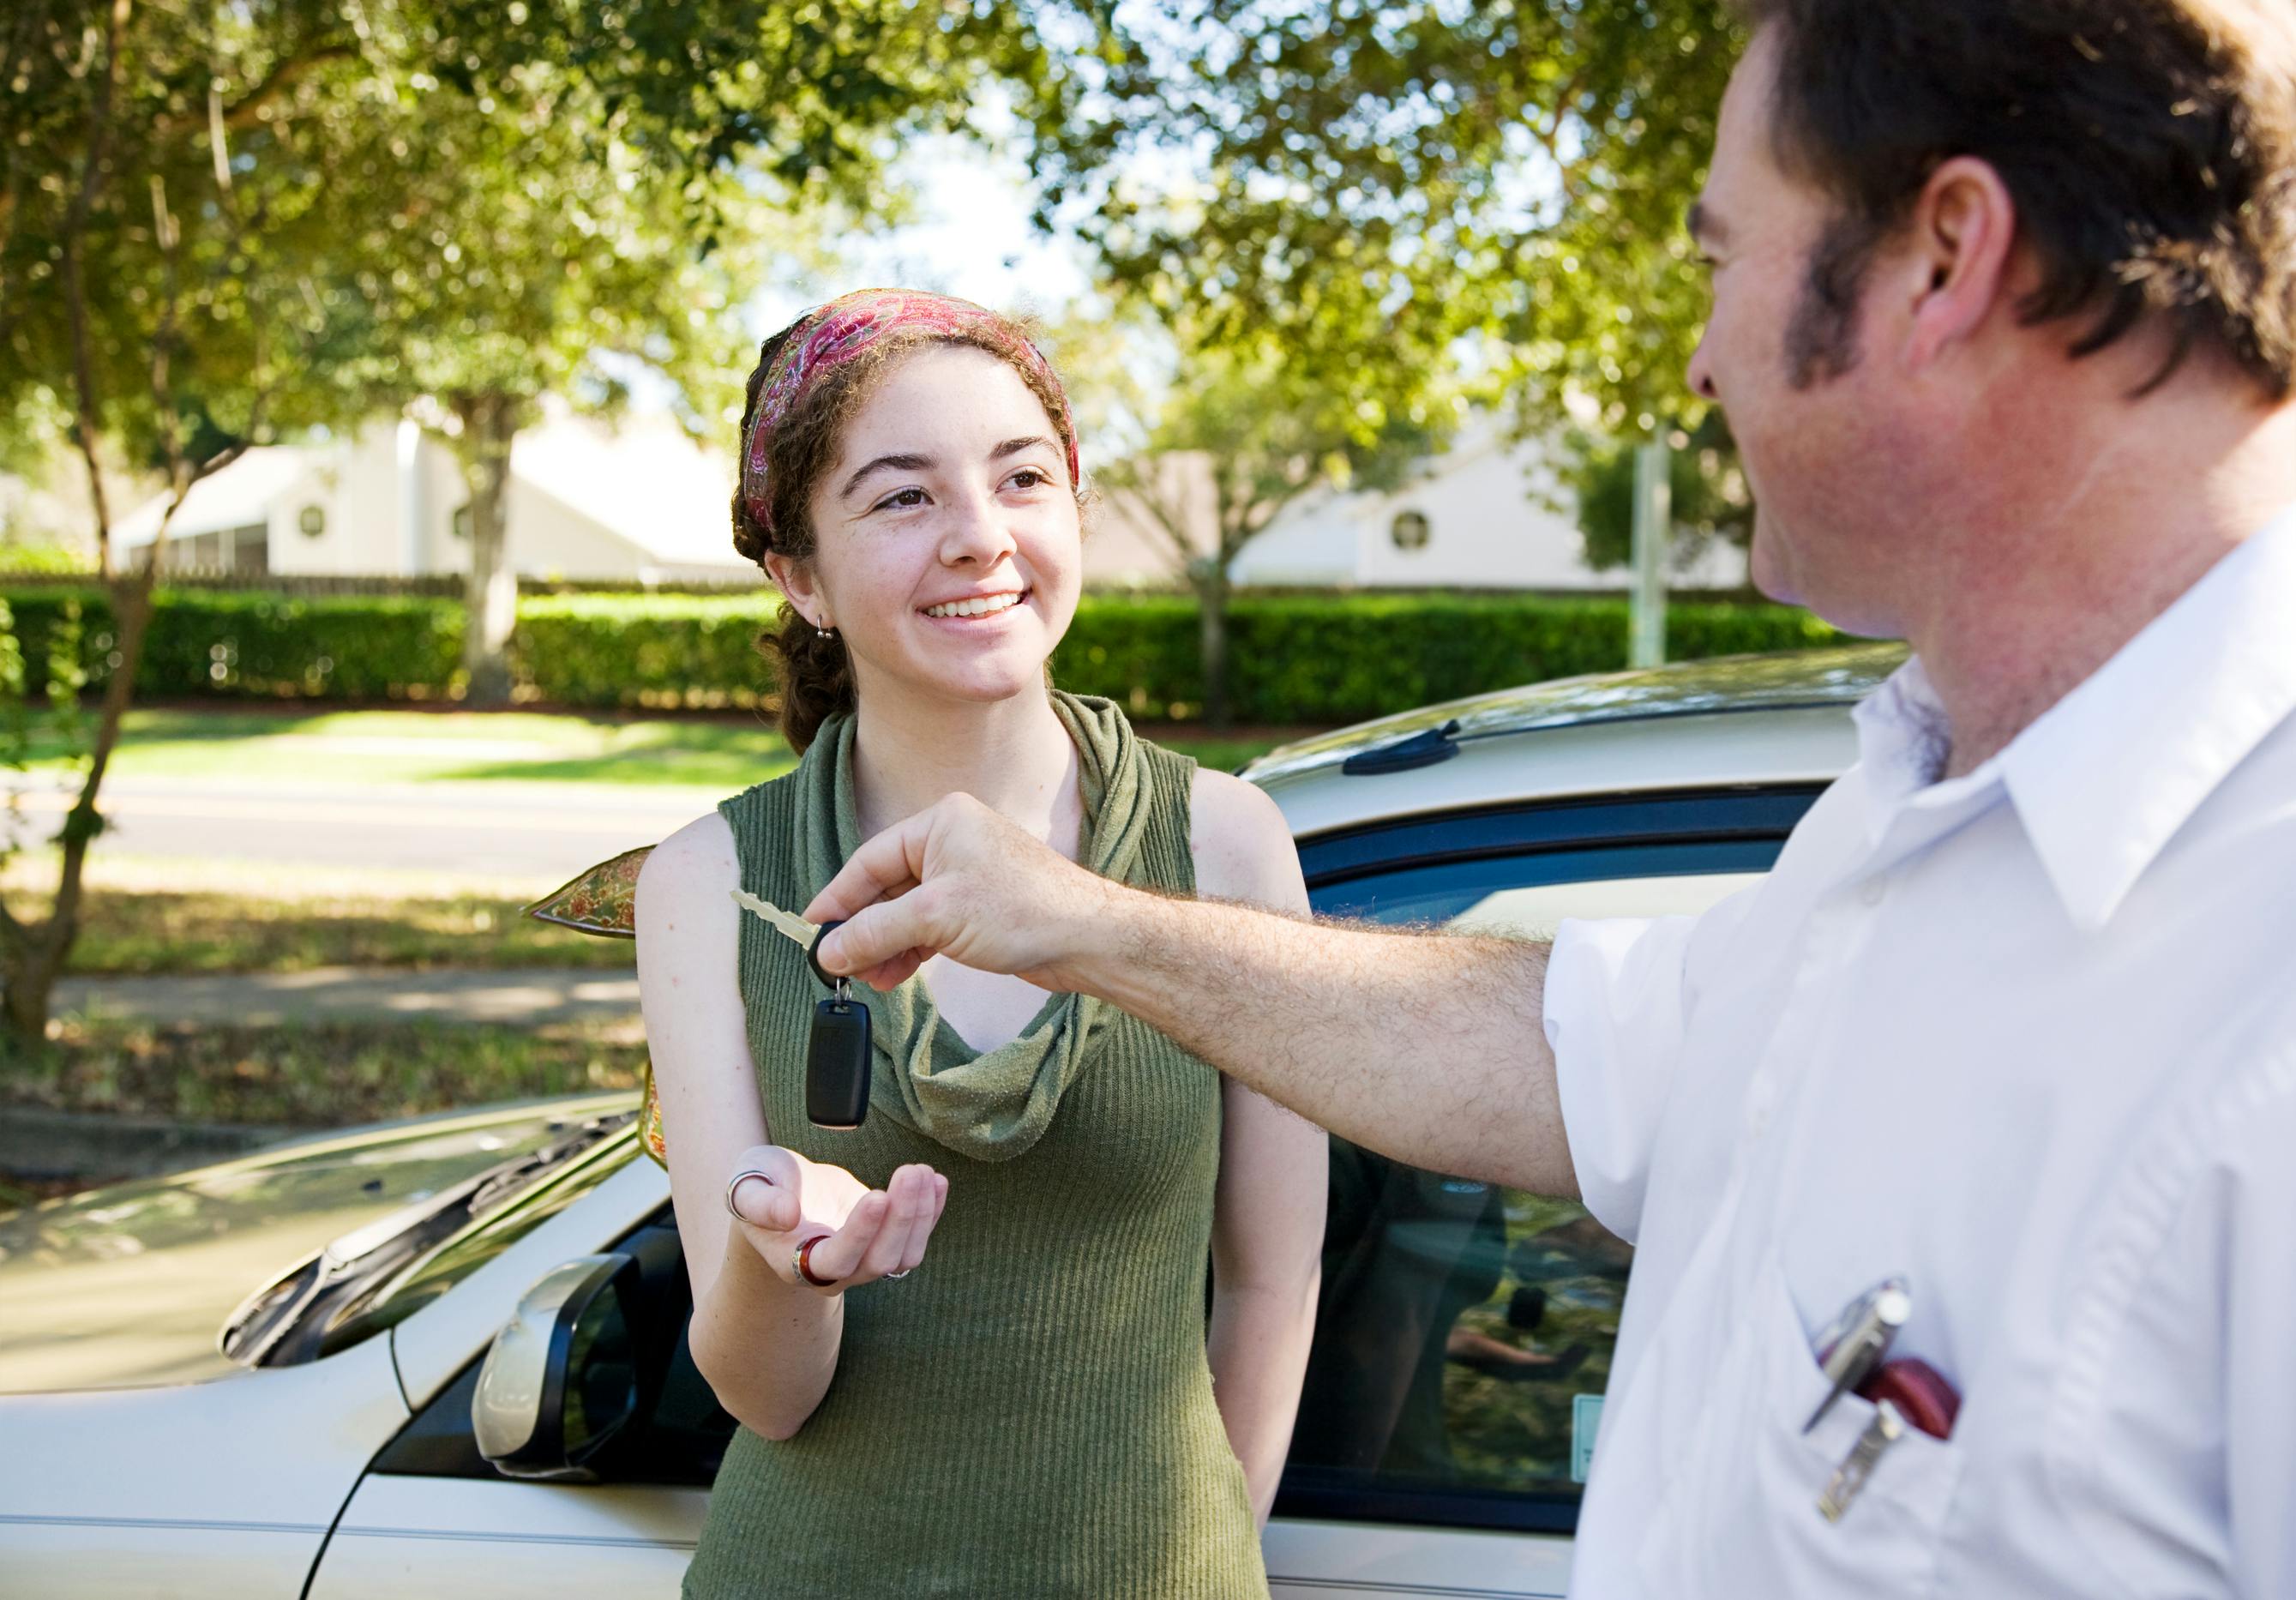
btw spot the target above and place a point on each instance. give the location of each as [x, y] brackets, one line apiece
[1031, 1413]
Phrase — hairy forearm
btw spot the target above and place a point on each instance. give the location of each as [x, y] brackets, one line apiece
[1257, 1347]
[1427, 1047]
[766, 1348]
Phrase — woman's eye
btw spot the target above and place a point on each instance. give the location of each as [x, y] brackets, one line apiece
[1030, 478]
[902, 499]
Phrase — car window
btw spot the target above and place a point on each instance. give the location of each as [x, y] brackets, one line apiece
[1465, 1332]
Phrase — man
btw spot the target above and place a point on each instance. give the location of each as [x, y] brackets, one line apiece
[2005, 324]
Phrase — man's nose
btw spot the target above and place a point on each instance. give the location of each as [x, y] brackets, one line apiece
[1701, 372]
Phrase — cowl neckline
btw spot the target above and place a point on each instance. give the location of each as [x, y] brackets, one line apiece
[992, 1105]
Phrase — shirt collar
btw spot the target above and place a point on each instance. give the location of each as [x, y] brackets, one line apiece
[2105, 777]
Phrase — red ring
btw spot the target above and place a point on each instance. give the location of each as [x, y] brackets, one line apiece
[805, 1263]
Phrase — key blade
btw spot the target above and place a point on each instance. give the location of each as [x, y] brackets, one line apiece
[788, 922]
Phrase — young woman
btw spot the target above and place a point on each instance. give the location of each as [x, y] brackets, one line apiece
[967, 1342]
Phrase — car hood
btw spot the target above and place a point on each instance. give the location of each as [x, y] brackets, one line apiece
[1841, 676]
[129, 1285]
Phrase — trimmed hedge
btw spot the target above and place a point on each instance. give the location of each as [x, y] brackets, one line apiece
[245, 643]
[1294, 658]
[643, 649]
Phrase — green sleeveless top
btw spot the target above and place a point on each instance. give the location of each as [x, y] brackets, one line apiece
[1031, 1413]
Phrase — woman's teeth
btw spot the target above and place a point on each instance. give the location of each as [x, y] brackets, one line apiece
[974, 608]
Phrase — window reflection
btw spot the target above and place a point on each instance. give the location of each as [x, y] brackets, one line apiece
[1465, 1330]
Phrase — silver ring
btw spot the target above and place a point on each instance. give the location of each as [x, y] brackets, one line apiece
[739, 1178]
[902, 1273]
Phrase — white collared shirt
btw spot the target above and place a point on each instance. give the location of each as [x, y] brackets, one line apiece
[2026, 1038]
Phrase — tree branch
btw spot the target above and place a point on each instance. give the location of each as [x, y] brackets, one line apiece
[85, 408]
[285, 73]
[1170, 515]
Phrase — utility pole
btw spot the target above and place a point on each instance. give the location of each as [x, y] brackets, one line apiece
[1653, 525]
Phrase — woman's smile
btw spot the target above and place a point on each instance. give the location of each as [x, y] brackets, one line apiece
[975, 611]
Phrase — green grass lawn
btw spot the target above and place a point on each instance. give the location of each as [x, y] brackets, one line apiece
[725, 753]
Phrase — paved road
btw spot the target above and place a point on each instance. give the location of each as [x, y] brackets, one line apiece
[529, 996]
[546, 832]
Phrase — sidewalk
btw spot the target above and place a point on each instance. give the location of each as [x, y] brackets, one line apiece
[515, 996]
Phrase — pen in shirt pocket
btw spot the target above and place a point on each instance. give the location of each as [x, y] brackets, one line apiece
[1905, 1393]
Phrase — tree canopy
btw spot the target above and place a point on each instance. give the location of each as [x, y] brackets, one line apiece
[1495, 183]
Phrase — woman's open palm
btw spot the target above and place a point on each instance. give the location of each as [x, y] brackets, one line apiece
[866, 1234]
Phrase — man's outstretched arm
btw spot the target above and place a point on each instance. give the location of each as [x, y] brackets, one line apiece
[1426, 1047]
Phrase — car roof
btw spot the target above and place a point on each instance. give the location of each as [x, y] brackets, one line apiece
[1734, 721]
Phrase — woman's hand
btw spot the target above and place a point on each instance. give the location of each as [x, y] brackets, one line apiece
[865, 1234]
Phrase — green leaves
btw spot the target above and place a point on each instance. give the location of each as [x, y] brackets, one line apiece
[1496, 185]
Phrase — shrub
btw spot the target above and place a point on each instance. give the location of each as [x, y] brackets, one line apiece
[250, 643]
[1293, 658]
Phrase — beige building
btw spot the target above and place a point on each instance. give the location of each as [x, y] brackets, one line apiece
[640, 503]
[1487, 514]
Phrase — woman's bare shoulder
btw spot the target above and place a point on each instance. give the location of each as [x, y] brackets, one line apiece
[1243, 845]
[693, 865]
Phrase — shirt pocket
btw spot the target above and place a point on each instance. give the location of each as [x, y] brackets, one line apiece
[1739, 1516]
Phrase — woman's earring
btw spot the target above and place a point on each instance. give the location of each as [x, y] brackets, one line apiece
[827, 632]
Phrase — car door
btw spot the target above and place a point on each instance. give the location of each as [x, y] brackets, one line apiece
[433, 1518]
[1464, 1334]
[1463, 1339]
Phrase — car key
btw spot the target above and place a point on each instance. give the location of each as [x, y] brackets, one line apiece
[837, 1059]
[1885, 1430]
[1852, 1345]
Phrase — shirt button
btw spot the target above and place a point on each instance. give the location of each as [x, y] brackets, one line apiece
[1876, 889]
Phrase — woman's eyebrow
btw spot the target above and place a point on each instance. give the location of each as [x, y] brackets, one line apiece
[893, 463]
[1014, 447]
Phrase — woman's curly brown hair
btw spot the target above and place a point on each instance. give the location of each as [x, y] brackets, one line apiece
[815, 673]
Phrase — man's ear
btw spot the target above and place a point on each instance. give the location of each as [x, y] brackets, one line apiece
[1961, 249]
[795, 581]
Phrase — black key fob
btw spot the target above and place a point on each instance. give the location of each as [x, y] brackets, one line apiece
[837, 1064]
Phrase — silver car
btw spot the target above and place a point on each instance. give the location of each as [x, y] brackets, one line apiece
[447, 1357]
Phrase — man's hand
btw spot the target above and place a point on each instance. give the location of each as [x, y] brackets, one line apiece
[1427, 1049]
[866, 1234]
[960, 881]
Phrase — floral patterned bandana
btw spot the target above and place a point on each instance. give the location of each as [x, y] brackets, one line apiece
[827, 337]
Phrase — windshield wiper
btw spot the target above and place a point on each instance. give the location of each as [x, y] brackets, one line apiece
[285, 1323]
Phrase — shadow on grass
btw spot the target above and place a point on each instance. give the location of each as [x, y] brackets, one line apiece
[310, 1075]
[163, 933]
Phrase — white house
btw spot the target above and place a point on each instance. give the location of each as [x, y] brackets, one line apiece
[1486, 513]
[640, 504]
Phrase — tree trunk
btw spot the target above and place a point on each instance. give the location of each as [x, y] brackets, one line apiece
[33, 953]
[490, 597]
[31, 981]
[1211, 632]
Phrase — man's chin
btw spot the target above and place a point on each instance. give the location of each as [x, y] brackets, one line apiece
[1766, 567]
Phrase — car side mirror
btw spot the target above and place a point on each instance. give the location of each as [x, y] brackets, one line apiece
[563, 1378]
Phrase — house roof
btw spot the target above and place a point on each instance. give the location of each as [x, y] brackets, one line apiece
[646, 480]
[238, 495]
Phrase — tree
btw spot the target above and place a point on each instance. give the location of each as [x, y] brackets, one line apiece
[218, 222]
[1710, 494]
[612, 189]
[1244, 432]
[1502, 179]
[157, 179]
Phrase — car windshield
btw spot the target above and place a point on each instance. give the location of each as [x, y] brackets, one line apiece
[309, 1311]
[392, 1299]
